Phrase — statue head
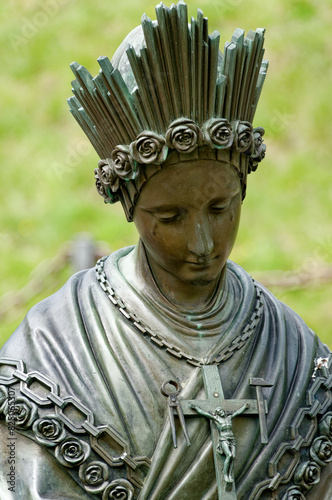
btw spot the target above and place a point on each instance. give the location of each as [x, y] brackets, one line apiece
[220, 412]
[170, 97]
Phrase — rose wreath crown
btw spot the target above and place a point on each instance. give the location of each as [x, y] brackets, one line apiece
[170, 95]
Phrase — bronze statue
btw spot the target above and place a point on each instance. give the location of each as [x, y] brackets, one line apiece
[83, 380]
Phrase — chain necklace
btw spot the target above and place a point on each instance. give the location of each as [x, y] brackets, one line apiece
[161, 342]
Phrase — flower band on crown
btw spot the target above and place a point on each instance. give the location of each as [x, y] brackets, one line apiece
[184, 136]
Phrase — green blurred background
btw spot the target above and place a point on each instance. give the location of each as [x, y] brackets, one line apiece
[46, 177]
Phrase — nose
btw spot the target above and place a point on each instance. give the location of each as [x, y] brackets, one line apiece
[200, 240]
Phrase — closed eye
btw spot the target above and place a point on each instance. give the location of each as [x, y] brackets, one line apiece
[168, 218]
[217, 209]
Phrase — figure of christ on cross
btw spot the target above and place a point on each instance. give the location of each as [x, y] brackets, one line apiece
[226, 445]
[222, 436]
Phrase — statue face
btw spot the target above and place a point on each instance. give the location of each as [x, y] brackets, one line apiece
[220, 412]
[187, 216]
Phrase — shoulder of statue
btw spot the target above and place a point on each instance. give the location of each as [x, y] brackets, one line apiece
[239, 277]
[285, 314]
[111, 262]
[284, 318]
[52, 317]
[237, 270]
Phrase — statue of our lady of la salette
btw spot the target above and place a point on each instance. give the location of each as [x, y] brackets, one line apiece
[166, 372]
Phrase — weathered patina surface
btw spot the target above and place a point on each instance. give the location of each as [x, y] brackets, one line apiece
[108, 388]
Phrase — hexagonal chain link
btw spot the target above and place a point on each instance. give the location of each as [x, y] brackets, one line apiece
[84, 424]
[303, 431]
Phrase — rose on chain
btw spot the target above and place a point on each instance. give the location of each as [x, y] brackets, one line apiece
[244, 137]
[307, 474]
[72, 452]
[149, 147]
[218, 133]
[20, 412]
[94, 476]
[123, 164]
[325, 425]
[259, 148]
[3, 396]
[293, 493]
[120, 489]
[184, 135]
[49, 430]
[321, 450]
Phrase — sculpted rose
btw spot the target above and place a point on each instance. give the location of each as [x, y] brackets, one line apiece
[94, 476]
[106, 173]
[49, 430]
[307, 474]
[325, 426]
[293, 493]
[183, 135]
[218, 133]
[99, 185]
[21, 413]
[123, 164]
[120, 489]
[243, 137]
[312, 473]
[325, 451]
[3, 395]
[149, 148]
[321, 450]
[259, 148]
[72, 452]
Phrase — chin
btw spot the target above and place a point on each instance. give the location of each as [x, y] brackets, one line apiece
[202, 280]
[204, 277]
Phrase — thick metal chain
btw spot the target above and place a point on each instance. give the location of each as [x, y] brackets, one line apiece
[42, 394]
[301, 452]
[161, 342]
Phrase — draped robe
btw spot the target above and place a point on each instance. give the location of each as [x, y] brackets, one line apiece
[82, 342]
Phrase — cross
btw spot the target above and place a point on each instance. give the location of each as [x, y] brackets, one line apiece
[215, 399]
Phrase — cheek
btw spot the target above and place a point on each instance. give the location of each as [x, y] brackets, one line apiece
[234, 224]
[226, 230]
[146, 227]
[235, 213]
[234, 220]
[164, 243]
[150, 235]
[157, 240]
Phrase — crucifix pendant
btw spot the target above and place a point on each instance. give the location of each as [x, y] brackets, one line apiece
[220, 412]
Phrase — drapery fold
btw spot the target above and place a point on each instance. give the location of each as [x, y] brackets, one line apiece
[79, 339]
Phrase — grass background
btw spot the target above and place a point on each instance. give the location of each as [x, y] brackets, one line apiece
[46, 176]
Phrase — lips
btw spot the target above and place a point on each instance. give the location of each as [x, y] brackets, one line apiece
[200, 263]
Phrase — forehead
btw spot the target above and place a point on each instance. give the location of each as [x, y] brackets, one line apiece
[198, 181]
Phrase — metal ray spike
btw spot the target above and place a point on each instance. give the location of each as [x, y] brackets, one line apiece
[214, 40]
